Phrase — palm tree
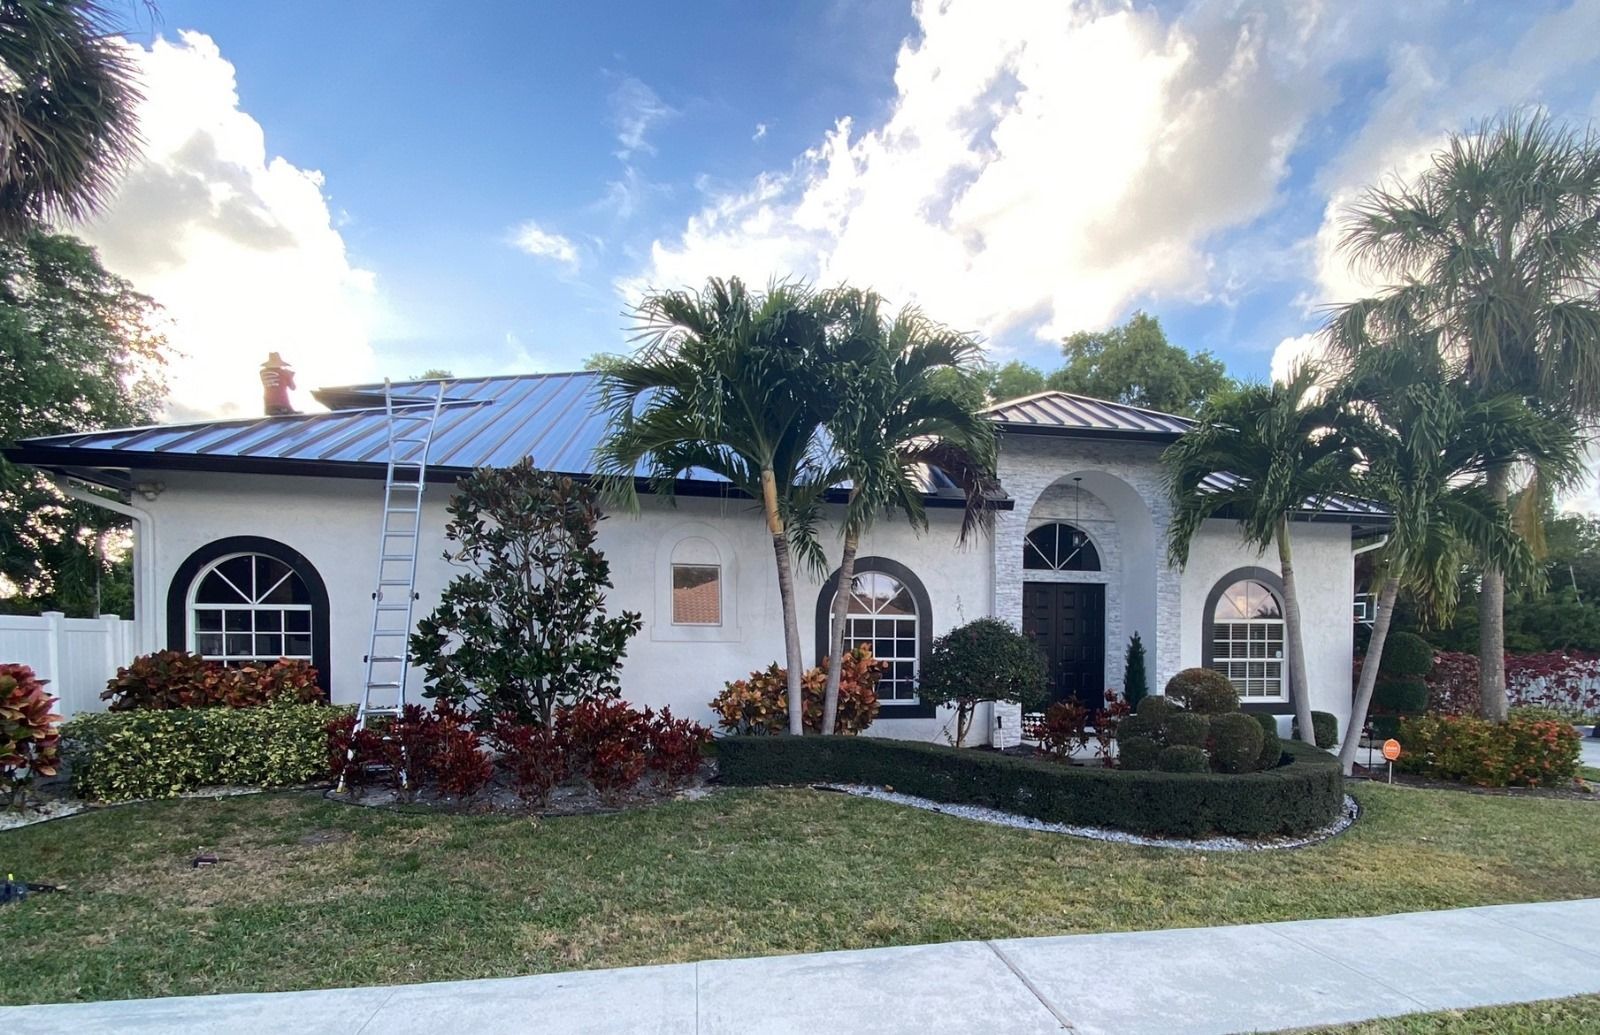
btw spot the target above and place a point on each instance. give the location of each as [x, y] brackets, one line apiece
[1278, 444]
[1426, 437]
[904, 392]
[67, 95]
[726, 381]
[1496, 249]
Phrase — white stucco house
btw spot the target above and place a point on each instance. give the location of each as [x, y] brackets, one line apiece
[257, 537]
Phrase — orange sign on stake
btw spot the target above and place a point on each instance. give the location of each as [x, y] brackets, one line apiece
[1391, 749]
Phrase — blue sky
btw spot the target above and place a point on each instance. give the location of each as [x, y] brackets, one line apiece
[377, 188]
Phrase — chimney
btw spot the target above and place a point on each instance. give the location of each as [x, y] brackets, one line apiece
[277, 377]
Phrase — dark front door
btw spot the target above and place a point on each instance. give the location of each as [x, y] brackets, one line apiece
[1068, 622]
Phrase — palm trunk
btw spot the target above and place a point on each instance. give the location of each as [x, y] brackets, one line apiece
[1369, 673]
[1299, 685]
[1492, 618]
[841, 608]
[791, 616]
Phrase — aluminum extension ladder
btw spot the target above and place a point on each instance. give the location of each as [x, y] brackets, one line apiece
[388, 660]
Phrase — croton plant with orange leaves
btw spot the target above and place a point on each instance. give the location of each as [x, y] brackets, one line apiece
[760, 704]
[30, 730]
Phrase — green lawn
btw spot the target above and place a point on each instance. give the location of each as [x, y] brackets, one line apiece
[313, 893]
[1577, 1016]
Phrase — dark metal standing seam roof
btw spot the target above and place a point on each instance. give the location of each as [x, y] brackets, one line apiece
[1064, 413]
[488, 421]
[496, 421]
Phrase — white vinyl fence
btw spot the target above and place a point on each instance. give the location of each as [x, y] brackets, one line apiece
[77, 655]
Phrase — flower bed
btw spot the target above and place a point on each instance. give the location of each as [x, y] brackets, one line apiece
[1303, 794]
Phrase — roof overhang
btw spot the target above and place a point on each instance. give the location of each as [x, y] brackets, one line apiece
[116, 469]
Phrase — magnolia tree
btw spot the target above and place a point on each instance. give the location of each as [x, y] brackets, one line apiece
[984, 660]
[524, 629]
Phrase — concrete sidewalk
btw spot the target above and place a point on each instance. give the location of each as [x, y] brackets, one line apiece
[1257, 977]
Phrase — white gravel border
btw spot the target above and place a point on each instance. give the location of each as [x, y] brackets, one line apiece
[1347, 816]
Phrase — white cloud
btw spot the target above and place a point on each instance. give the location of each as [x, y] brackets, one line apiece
[239, 248]
[535, 240]
[1043, 166]
[1291, 352]
[635, 107]
[761, 131]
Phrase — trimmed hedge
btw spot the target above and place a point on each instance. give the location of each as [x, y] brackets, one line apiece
[1305, 793]
[1324, 728]
[119, 756]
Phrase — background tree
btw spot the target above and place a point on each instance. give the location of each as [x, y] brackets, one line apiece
[904, 401]
[1135, 684]
[1135, 364]
[524, 629]
[1132, 363]
[1425, 438]
[1275, 439]
[1015, 379]
[1496, 249]
[727, 380]
[79, 350]
[67, 111]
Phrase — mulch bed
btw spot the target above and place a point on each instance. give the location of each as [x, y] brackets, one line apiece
[575, 798]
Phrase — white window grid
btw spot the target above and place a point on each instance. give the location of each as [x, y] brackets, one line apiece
[249, 631]
[892, 637]
[1250, 653]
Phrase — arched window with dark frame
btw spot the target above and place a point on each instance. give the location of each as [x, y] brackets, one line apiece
[889, 611]
[1059, 547]
[249, 600]
[1244, 634]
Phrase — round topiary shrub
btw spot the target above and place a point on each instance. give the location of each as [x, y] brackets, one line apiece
[1324, 729]
[1156, 707]
[1139, 727]
[1137, 753]
[1203, 690]
[1182, 758]
[1186, 729]
[1405, 696]
[1271, 743]
[1235, 743]
[1406, 654]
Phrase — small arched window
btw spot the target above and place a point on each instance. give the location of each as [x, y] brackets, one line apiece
[696, 583]
[1247, 639]
[249, 607]
[1059, 547]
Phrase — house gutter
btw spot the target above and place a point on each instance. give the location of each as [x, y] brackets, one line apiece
[1377, 544]
[144, 557]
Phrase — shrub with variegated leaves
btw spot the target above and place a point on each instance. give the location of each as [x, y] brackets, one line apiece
[30, 730]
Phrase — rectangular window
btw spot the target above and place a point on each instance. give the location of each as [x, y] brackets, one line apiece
[1251, 655]
[696, 594]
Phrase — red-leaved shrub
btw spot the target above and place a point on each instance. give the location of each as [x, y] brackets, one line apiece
[606, 743]
[456, 760]
[30, 730]
[673, 746]
[533, 756]
[178, 679]
[369, 751]
[1062, 729]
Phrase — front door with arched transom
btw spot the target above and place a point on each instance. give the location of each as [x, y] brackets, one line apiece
[1068, 622]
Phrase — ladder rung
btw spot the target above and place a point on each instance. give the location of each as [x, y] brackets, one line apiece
[394, 582]
[379, 658]
[401, 532]
[394, 607]
[383, 686]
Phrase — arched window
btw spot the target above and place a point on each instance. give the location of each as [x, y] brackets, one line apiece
[696, 583]
[249, 607]
[883, 615]
[247, 600]
[1059, 547]
[1246, 641]
[889, 611]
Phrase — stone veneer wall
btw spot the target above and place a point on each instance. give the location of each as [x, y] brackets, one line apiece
[1128, 523]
